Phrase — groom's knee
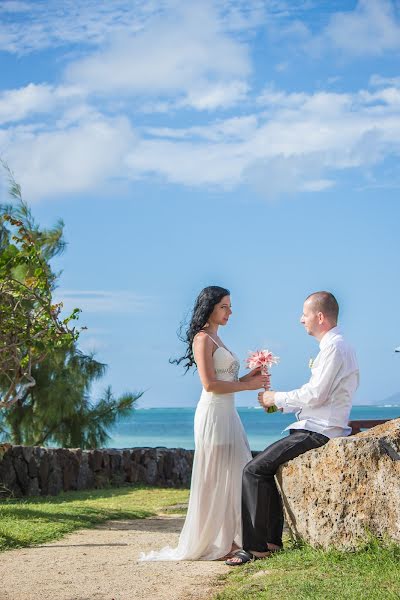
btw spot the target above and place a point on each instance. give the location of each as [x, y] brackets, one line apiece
[257, 469]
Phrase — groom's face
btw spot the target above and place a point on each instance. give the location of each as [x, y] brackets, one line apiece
[310, 318]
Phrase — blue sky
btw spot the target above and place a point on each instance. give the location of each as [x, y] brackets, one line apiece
[253, 145]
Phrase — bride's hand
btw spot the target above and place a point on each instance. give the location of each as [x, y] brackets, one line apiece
[256, 382]
[251, 374]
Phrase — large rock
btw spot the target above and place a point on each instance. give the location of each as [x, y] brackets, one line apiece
[342, 493]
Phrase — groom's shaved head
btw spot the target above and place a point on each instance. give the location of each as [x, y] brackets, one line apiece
[326, 303]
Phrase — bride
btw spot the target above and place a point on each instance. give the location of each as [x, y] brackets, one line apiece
[212, 528]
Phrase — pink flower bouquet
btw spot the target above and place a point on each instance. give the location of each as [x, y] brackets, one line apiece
[264, 359]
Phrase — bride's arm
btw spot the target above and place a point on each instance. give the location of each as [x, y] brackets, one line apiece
[203, 348]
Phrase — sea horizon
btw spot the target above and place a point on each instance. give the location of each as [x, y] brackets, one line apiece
[172, 427]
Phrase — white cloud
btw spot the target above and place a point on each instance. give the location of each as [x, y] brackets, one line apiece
[371, 29]
[237, 15]
[46, 24]
[234, 129]
[164, 55]
[379, 81]
[271, 97]
[213, 96]
[384, 98]
[18, 104]
[287, 175]
[53, 24]
[185, 56]
[72, 158]
[171, 56]
[189, 163]
[301, 143]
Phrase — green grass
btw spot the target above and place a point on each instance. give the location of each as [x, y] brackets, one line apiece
[372, 573]
[30, 521]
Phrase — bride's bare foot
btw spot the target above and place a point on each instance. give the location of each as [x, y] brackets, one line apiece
[231, 552]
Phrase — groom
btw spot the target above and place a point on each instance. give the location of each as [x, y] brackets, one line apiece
[322, 409]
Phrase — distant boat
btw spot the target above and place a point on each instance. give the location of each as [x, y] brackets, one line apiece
[397, 349]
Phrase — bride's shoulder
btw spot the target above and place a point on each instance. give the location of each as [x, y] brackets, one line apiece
[200, 335]
[202, 339]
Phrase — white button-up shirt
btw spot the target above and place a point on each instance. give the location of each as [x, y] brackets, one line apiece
[323, 404]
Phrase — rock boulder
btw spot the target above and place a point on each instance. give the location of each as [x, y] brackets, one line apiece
[340, 494]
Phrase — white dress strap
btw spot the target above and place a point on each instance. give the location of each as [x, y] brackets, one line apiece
[211, 338]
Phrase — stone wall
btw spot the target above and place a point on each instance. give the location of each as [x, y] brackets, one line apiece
[334, 496]
[32, 471]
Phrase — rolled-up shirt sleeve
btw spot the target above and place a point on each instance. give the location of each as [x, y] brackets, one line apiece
[317, 390]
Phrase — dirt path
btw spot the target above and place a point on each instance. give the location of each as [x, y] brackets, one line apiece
[101, 564]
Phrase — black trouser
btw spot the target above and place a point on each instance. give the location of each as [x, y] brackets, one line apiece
[262, 514]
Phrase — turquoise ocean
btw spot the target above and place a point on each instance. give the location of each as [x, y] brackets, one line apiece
[173, 427]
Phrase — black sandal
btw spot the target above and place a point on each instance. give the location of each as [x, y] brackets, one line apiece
[244, 556]
[247, 556]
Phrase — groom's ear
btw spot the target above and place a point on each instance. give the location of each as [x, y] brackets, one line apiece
[321, 317]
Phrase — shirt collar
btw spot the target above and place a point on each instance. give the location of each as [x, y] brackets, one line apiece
[329, 335]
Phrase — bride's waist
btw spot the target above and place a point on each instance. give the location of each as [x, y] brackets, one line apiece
[214, 397]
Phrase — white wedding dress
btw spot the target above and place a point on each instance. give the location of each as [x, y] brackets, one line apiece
[213, 519]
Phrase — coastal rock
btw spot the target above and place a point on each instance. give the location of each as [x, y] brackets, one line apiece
[344, 492]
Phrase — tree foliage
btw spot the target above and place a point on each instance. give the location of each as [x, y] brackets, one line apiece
[30, 323]
[45, 380]
[58, 409]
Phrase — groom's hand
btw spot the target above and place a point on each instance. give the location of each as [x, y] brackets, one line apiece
[266, 399]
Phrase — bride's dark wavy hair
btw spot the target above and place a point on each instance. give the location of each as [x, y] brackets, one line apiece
[202, 309]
